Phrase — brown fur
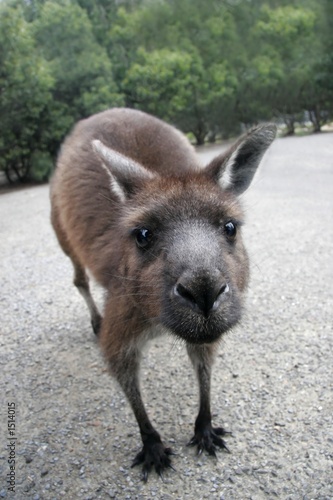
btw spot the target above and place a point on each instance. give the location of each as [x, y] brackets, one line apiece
[190, 276]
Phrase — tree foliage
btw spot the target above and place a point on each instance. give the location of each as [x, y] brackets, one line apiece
[211, 68]
[25, 94]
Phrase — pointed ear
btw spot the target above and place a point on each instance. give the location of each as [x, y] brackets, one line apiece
[125, 174]
[235, 168]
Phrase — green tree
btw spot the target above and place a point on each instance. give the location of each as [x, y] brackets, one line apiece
[165, 83]
[171, 58]
[317, 94]
[81, 69]
[25, 94]
[286, 35]
[209, 67]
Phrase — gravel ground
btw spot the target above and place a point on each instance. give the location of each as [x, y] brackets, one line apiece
[272, 383]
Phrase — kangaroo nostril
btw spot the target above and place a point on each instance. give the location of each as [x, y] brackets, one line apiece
[201, 297]
[220, 297]
[185, 293]
[224, 289]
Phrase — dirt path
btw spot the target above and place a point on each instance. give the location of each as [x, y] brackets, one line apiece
[272, 384]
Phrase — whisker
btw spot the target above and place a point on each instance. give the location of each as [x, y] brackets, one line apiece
[106, 197]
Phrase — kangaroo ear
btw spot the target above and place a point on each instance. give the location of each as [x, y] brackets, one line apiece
[125, 174]
[235, 168]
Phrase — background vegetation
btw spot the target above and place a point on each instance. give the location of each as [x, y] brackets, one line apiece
[209, 67]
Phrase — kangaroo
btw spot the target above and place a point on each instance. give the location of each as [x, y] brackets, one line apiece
[161, 233]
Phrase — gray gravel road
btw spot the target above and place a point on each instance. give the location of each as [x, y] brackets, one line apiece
[272, 384]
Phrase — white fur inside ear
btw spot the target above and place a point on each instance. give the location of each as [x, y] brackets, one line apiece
[226, 179]
[120, 163]
[114, 185]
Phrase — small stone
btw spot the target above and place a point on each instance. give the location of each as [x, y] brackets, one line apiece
[29, 486]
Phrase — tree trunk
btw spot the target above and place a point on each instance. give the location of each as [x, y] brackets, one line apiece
[290, 122]
[200, 134]
[315, 119]
[18, 172]
[211, 137]
[200, 141]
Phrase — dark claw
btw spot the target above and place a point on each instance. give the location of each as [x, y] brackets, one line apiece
[219, 442]
[212, 452]
[207, 439]
[221, 432]
[171, 453]
[96, 323]
[171, 466]
[138, 459]
[135, 463]
[192, 442]
[160, 473]
[225, 447]
[154, 455]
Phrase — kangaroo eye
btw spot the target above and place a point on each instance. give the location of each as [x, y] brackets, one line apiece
[230, 230]
[143, 237]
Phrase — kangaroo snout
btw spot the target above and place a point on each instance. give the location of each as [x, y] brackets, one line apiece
[202, 294]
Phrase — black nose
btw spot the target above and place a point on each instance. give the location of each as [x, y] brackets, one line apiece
[202, 295]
